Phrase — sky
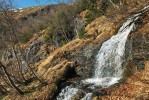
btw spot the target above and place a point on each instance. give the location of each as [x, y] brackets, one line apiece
[28, 3]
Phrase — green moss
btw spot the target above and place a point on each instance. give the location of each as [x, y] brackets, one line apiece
[2, 96]
[127, 72]
[89, 18]
[26, 37]
[82, 32]
[63, 42]
[47, 37]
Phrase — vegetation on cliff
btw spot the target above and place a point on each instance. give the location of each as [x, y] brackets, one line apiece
[43, 49]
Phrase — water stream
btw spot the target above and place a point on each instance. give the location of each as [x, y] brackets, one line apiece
[109, 61]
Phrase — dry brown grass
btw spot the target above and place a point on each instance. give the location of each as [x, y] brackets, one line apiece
[54, 67]
[27, 11]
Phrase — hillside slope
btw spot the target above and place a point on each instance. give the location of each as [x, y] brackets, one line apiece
[63, 65]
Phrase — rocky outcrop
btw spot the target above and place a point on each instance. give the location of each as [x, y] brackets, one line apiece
[79, 26]
[32, 52]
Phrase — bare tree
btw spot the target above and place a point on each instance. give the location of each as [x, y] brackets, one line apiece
[121, 3]
[10, 80]
[3, 89]
[8, 23]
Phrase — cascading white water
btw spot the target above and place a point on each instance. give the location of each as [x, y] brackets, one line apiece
[109, 60]
[108, 68]
[87, 96]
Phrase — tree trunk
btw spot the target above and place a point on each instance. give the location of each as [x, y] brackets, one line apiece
[4, 89]
[10, 80]
[7, 83]
[13, 33]
[114, 4]
[19, 65]
[8, 17]
[33, 72]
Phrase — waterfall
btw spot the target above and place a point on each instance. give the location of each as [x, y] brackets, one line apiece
[109, 61]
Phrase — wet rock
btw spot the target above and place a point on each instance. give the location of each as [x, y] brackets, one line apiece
[86, 61]
[80, 94]
[101, 92]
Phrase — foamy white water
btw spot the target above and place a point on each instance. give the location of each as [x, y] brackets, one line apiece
[67, 93]
[103, 82]
[87, 96]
